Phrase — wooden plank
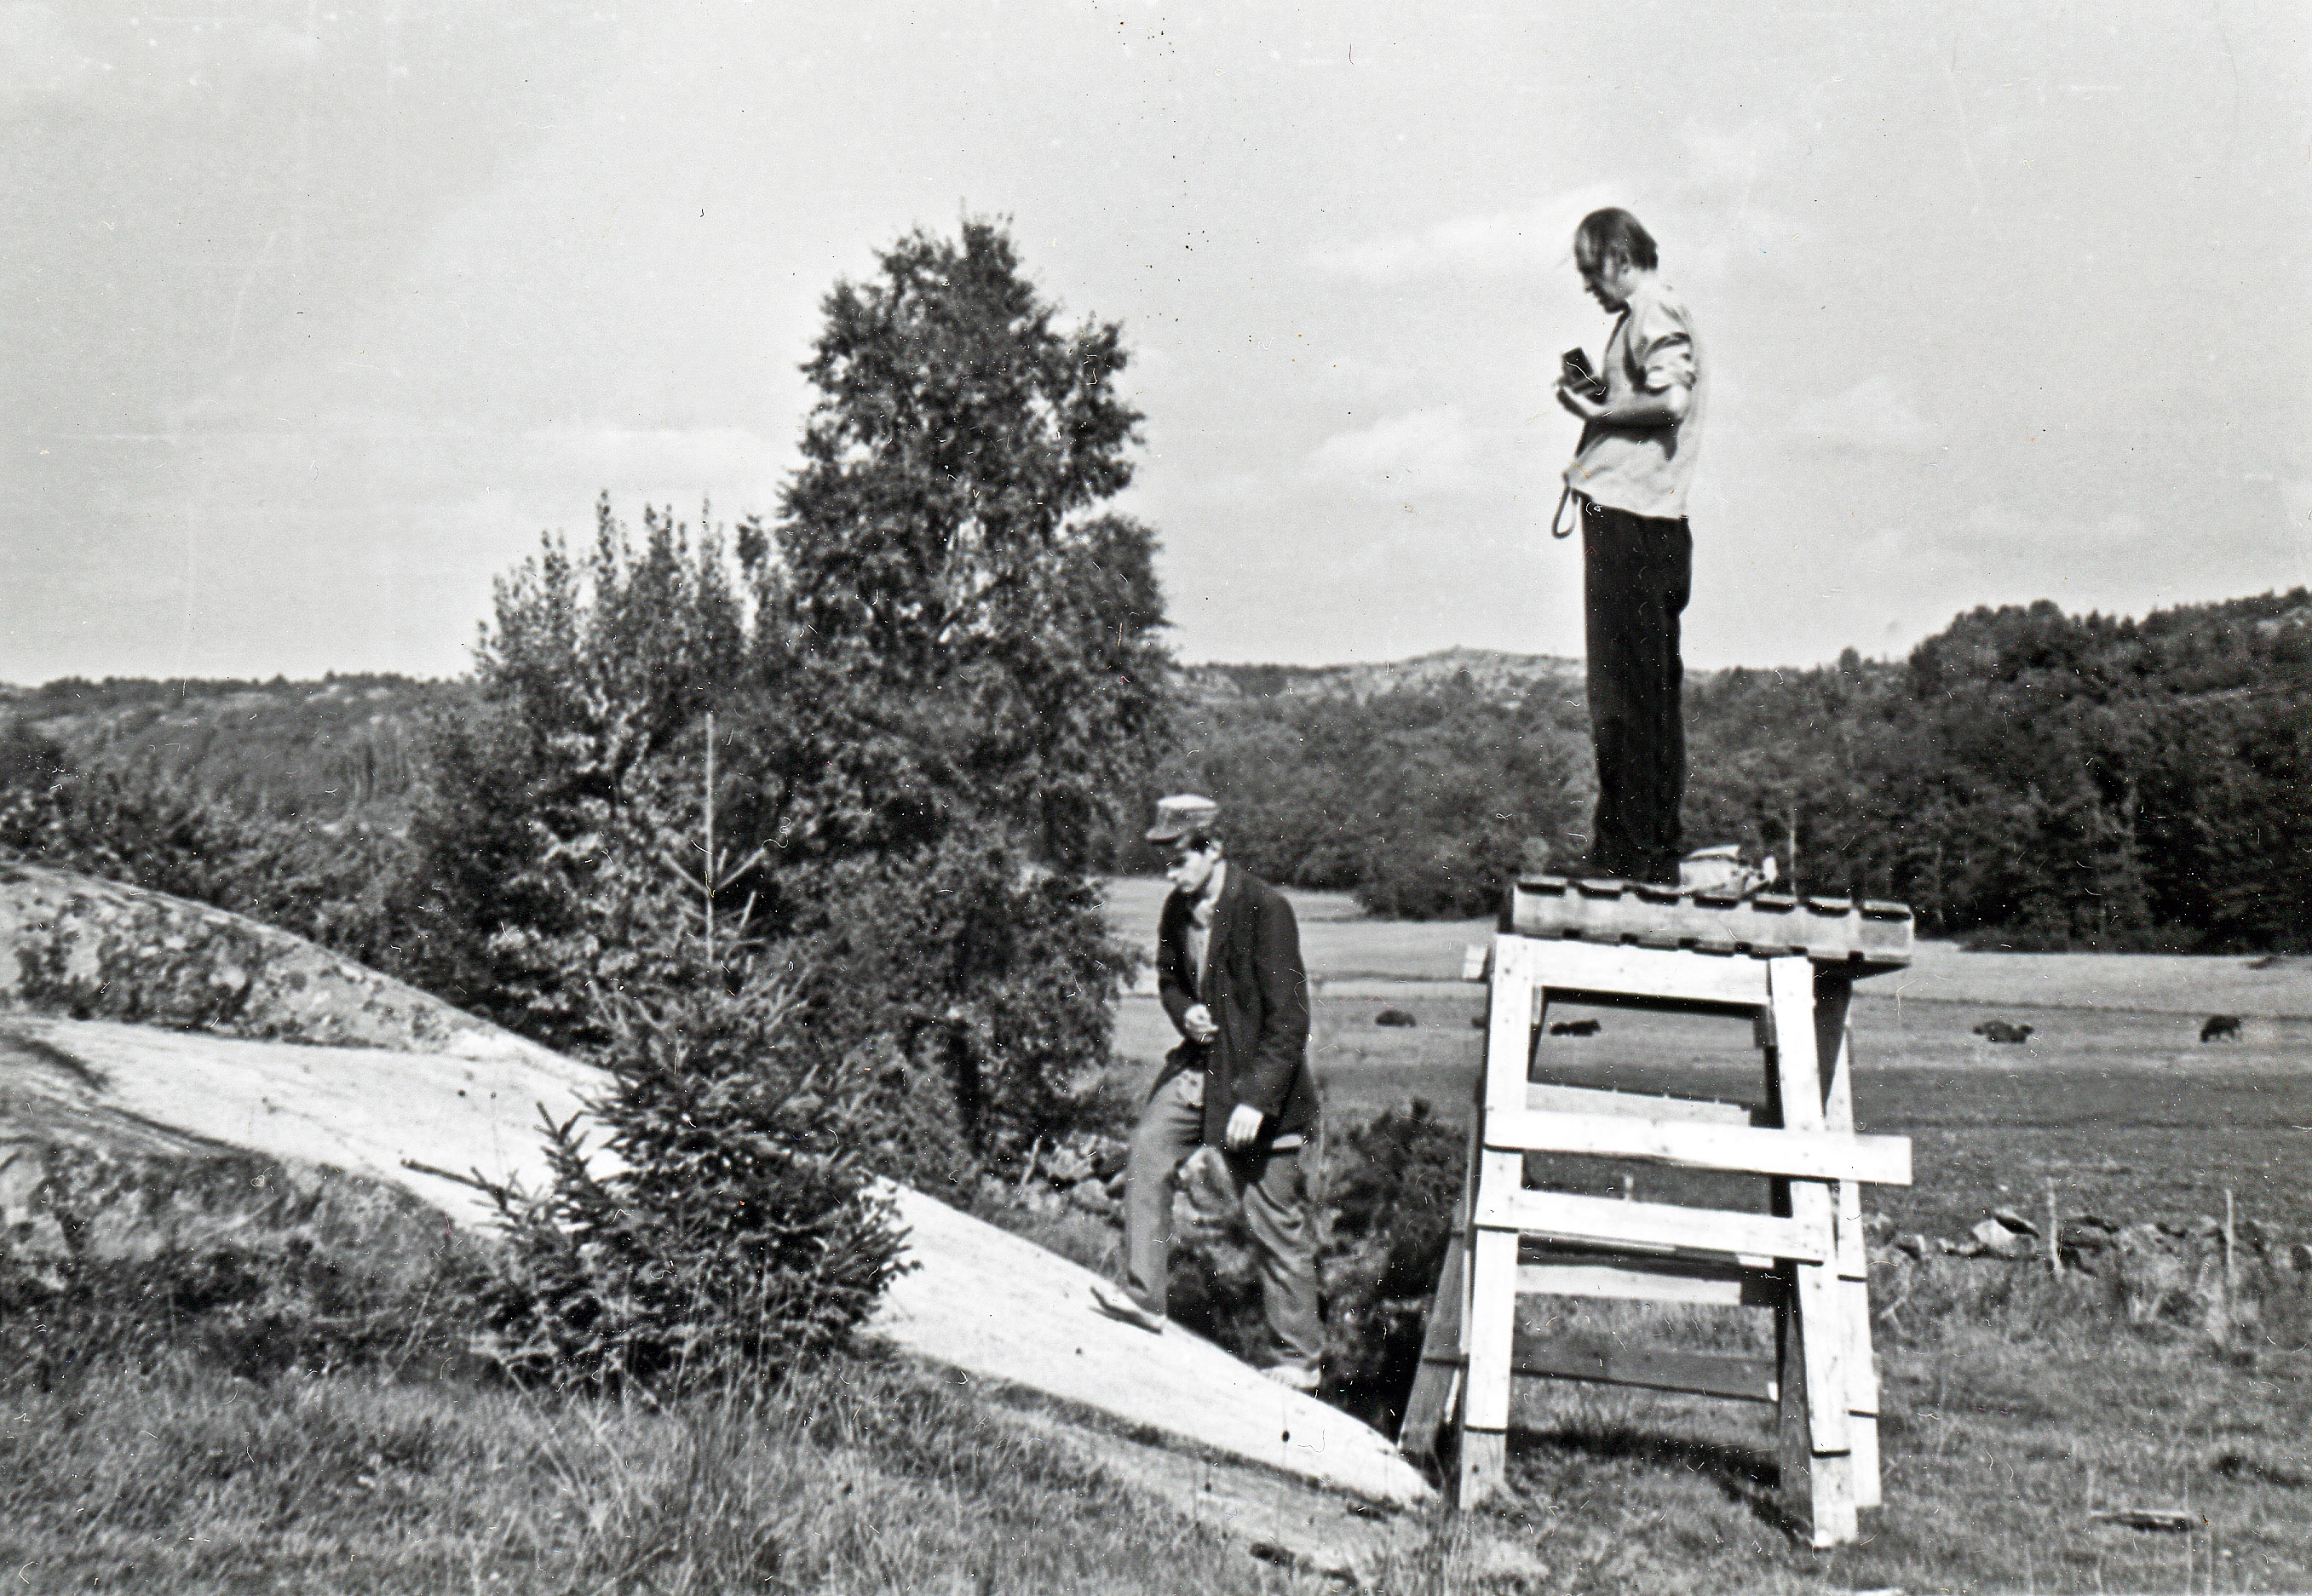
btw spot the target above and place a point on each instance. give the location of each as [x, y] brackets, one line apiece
[1861, 1395]
[1653, 974]
[1511, 1019]
[1491, 1332]
[1545, 1098]
[1482, 1470]
[1608, 1221]
[1429, 1403]
[1694, 1282]
[1604, 1361]
[1816, 1320]
[1835, 1045]
[1817, 1156]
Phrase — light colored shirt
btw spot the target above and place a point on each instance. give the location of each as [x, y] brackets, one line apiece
[1200, 921]
[1645, 470]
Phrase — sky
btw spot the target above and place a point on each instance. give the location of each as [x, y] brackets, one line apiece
[314, 317]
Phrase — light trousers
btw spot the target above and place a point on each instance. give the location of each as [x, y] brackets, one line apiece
[1276, 1210]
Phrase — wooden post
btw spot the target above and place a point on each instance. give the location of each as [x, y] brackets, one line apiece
[1833, 996]
[1812, 1316]
[2231, 1253]
[1489, 1329]
[2054, 1235]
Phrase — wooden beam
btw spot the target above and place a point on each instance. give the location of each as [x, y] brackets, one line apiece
[1604, 1361]
[1430, 1402]
[1608, 1221]
[1691, 1281]
[1814, 1336]
[1736, 985]
[1814, 1156]
[1544, 1098]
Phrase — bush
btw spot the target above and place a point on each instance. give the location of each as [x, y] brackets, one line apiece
[1392, 1183]
[737, 1233]
[978, 971]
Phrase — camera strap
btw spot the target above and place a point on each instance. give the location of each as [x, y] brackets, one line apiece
[1558, 515]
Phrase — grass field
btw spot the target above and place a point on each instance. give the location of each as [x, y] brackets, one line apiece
[2113, 1098]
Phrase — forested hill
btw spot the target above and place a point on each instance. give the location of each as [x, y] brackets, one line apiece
[2027, 776]
[320, 751]
[1491, 675]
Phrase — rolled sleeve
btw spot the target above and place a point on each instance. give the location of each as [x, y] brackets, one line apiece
[1661, 348]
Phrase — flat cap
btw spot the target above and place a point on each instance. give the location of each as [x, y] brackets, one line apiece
[1178, 816]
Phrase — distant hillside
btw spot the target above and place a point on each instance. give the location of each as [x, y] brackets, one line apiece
[1497, 678]
[318, 750]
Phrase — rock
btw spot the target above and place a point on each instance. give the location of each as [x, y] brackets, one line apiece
[2015, 1222]
[1067, 1165]
[1994, 1238]
[75, 946]
[1393, 1017]
[1915, 1244]
[2299, 1258]
[29, 1234]
[2154, 1279]
[1087, 1195]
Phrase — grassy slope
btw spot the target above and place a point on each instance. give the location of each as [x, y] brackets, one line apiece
[861, 1477]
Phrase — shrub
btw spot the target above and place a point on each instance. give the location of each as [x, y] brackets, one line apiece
[981, 971]
[737, 1232]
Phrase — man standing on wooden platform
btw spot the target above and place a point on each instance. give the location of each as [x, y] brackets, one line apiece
[1629, 477]
[1229, 971]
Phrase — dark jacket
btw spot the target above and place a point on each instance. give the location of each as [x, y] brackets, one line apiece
[1258, 996]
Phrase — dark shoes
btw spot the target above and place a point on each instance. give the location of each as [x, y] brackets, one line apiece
[1118, 1303]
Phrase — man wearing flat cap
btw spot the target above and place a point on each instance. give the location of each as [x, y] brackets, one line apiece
[1227, 969]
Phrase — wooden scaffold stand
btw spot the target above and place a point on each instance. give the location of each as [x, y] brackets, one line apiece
[1789, 965]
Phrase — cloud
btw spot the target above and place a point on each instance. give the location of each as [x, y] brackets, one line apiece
[1503, 243]
[1873, 417]
[1417, 451]
[2000, 531]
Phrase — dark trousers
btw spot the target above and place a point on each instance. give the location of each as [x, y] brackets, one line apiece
[1637, 572]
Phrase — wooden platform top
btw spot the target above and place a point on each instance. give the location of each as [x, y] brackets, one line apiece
[1866, 937]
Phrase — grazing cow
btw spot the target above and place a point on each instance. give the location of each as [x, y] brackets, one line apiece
[2221, 1027]
[1575, 1028]
[2001, 1030]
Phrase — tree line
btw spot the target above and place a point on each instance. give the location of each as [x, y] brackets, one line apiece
[2027, 779]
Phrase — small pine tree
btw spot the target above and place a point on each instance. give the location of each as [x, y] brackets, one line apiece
[733, 1230]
